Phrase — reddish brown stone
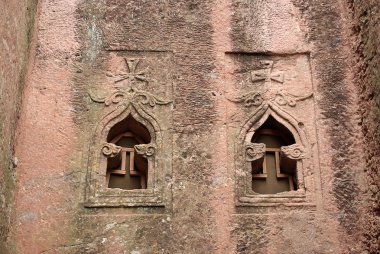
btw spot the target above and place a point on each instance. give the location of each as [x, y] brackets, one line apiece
[202, 77]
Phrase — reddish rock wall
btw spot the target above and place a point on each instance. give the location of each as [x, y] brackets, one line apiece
[366, 29]
[198, 56]
[16, 22]
[329, 26]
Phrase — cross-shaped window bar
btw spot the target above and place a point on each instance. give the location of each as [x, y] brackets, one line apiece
[129, 167]
[267, 165]
[268, 178]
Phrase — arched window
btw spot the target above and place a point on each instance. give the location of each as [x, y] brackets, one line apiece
[128, 170]
[274, 172]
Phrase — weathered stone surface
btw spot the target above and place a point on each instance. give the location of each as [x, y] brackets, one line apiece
[267, 26]
[16, 23]
[366, 28]
[202, 77]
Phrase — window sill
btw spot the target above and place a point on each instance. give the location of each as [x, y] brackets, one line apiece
[291, 198]
[125, 198]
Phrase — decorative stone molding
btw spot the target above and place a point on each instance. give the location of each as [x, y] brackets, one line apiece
[131, 96]
[294, 152]
[254, 151]
[281, 98]
[127, 97]
[279, 87]
[246, 153]
[123, 100]
[111, 150]
[146, 150]
[249, 99]
[284, 98]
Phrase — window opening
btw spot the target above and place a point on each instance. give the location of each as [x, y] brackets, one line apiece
[274, 173]
[128, 170]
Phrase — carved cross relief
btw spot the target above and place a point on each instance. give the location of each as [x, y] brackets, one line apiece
[270, 169]
[125, 96]
[279, 97]
[127, 93]
[130, 72]
[127, 167]
[267, 74]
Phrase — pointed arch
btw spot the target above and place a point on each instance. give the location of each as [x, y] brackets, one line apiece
[261, 115]
[287, 126]
[120, 114]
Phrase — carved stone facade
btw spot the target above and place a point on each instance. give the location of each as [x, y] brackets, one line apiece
[123, 99]
[269, 86]
[199, 103]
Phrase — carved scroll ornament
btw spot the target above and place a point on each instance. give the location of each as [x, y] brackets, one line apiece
[254, 151]
[281, 98]
[131, 95]
[284, 98]
[294, 152]
[126, 93]
[146, 150]
[111, 150]
[249, 99]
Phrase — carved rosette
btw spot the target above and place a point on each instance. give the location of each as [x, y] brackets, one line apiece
[294, 152]
[254, 151]
[110, 150]
[146, 150]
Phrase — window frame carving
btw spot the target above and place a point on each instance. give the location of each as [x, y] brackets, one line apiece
[97, 192]
[245, 196]
[130, 87]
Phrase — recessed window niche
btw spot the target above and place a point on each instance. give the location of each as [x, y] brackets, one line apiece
[130, 146]
[272, 154]
[273, 173]
[128, 170]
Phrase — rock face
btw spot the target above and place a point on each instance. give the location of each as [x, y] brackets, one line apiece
[193, 83]
[367, 47]
[16, 23]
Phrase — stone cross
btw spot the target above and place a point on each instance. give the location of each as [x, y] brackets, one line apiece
[267, 74]
[130, 73]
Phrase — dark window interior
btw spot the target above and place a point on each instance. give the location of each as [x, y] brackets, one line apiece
[128, 170]
[273, 173]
